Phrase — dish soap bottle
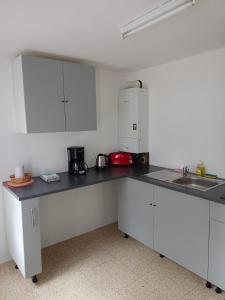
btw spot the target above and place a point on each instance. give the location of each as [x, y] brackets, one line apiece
[200, 169]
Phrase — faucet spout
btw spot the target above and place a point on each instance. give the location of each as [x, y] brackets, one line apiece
[185, 171]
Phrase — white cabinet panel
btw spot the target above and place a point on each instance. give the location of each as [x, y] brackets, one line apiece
[133, 119]
[43, 94]
[135, 212]
[182, 229]
[129, 145]
[216, 273]
[217, 211]
[128, 114]
[23, 233]
[217, 254]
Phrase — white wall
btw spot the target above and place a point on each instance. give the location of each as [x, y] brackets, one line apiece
[187, 111]
[47, 152]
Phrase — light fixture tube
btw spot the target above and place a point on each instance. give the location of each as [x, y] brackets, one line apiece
[159, 13]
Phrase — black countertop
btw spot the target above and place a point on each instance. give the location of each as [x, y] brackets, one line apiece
[93, 176]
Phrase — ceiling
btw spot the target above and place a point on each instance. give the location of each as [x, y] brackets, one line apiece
[88, 31]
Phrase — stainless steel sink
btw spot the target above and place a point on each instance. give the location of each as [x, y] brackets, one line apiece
[202, 184]
[190, 181]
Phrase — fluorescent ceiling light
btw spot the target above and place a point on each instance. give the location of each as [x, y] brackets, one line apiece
[167, 9]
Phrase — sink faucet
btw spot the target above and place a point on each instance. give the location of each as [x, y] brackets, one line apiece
[185, 171]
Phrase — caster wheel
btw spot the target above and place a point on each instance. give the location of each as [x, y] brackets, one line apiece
[16, 267]
[218, 290]
[126, 236]
[208, 285]
[34, 279]
[161, 255]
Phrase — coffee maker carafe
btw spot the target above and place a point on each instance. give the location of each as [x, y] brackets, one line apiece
[76, 164]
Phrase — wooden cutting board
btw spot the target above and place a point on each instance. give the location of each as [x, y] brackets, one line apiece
[20, 184]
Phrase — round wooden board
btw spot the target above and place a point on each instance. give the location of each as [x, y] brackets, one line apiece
[20, 184]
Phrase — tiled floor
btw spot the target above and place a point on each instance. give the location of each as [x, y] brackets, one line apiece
[103, 265]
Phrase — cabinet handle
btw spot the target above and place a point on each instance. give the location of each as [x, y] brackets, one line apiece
[134, 126]
[33, 217]
[154, 205]
[150, 204]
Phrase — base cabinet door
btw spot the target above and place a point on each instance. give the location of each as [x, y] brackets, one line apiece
[23, 233]
[216, 273]
[182, 229]
[135, 210]
[217, 254]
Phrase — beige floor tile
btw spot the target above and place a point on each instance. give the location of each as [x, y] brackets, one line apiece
[122, 294]
[102, 265]
[68, 285]
[166, 282]
[202, 293]
[143, 290]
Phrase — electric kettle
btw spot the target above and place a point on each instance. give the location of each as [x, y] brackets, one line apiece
[101, 161]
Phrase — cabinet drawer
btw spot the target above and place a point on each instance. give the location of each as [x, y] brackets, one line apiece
[129, 145]
[217, 211]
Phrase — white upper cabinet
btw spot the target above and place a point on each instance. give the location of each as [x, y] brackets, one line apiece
[133, 120]
[53, 96]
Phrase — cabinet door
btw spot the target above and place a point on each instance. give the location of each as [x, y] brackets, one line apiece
[43, 92]
[135, 214]
[217, 254]
[182, 229]
[23, 233]
[31, 237]
[80, 92]
[128, 113]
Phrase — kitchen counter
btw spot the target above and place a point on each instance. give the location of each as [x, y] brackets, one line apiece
[170, 210]
[93, 176]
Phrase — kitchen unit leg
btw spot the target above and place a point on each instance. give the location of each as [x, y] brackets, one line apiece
[16, 267]
[218, 290]
[161, 255]
[208, 285]
[126, 236]
[34, 279]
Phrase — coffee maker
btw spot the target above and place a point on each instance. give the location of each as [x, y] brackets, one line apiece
[76, 164]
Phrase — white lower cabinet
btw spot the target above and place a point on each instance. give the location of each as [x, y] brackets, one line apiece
[135, 210]
[217, 245]
[176, 225]
[23, 233]
[182, 229]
